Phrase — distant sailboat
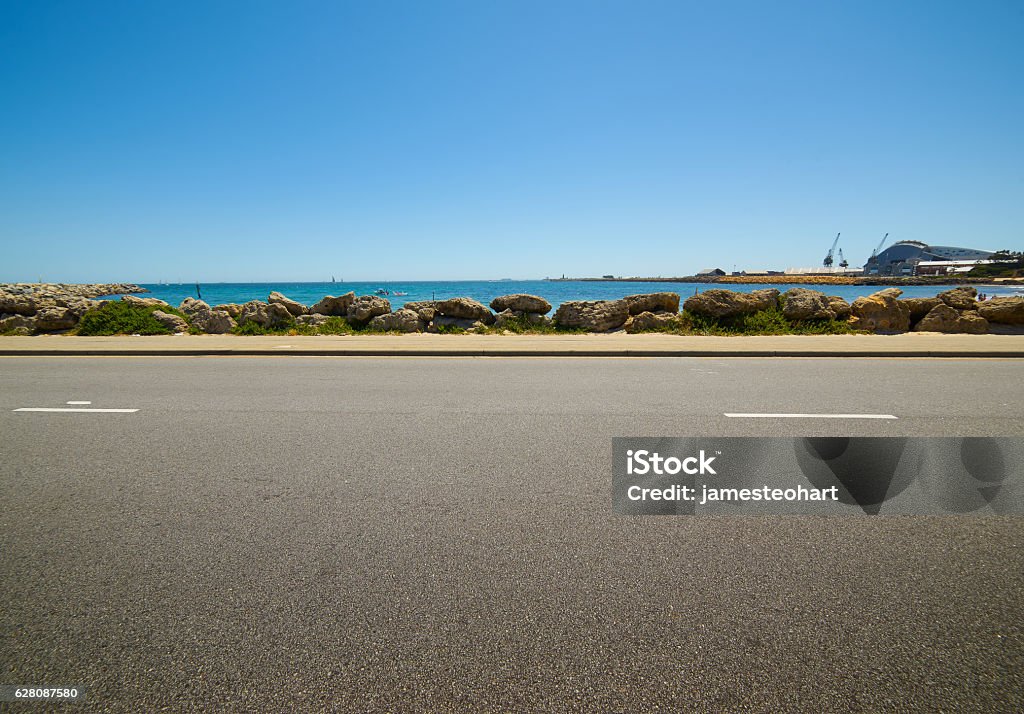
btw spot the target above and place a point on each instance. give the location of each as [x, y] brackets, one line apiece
[333, 280]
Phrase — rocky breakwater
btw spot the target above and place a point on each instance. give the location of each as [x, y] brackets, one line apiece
[953, 311]
[715, 311]
[29, 308]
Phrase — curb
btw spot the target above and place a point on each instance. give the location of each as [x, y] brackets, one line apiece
[305, 352]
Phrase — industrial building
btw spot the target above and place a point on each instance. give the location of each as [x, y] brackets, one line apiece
[904, 257]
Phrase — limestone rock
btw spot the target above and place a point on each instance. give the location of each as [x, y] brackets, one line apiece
[172, 322]
[189, 305]
[294, 308]
[55, 318]
[804, 304]
[461, 322]
[960, 298]
[334, 306]
[230, 308]
[505, 317]
[11, 323]
[466, 309]
[403, 320]
[521, 303]
[943, 318]
[366, 307]
[145, 302]
[880, 312]
[213, 322]
[839, 306]
[720, 303]
[973, 323]
[17, 304]
[312, 319]
[592, 315]
[652, 302]
[264, 314]
[919, 307]
[649, 321]
[1004, 310]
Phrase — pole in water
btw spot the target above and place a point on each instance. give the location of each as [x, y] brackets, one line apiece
[199, 295]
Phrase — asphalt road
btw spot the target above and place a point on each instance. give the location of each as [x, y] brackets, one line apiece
[374, 534]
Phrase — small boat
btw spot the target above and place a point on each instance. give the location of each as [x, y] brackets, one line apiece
[399, 293]
[381, 291]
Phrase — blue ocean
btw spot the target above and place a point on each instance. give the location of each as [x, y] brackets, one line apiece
[555, 292]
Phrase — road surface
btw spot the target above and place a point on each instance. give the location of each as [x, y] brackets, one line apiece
[435, 534]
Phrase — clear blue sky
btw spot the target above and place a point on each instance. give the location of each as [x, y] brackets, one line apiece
[249, 140]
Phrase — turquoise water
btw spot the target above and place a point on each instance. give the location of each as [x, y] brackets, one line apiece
[486, 290]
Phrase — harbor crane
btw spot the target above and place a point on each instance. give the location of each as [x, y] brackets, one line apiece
[843, 262]
[828, 258]
[874, 253]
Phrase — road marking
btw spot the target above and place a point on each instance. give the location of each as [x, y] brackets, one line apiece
[812, 416]
[63, 409]
[79, 402]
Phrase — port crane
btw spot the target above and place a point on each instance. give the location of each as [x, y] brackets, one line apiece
[828, 258]
[874, 253]
[843, 262]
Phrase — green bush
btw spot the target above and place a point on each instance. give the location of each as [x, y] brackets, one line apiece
[763, 322]
[116, 317]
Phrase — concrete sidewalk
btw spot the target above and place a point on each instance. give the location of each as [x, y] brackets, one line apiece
[608, 345]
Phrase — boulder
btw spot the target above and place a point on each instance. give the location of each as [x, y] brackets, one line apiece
[145, 302]
[1004, 310]
[505, 317]
[652, 302]
[171, 322]
[189, 305]
[11, 323]
[465, 309]
[839, 306]
[720, 303]
[17, 304]
[445, 321]
[366, 307]
[804, 304]
[880, 312]
[648, 321]
[264, 314]
[943, 318]
[420, 305]
[919, 307]
[312, 319]
[335, 306]
[230, 308]
[403, 320]
[592, 315]
[521, 303]
[213, 322]
[294, 308]
[973, 323]
[55, 318]
[961, 298]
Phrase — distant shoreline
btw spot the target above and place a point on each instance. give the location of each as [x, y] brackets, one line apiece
[801, 280]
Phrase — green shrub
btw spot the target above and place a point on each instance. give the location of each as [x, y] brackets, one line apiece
[763, 322]
[116, 317]
[335, 326]
[254, 328]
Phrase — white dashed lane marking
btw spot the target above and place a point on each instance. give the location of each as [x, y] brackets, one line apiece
[76, 409]
[812, 416]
